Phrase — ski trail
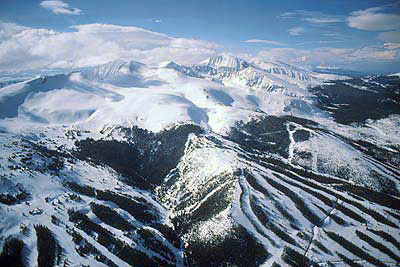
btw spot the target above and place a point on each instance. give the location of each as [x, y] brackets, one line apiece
[315, 229]
[292, 142]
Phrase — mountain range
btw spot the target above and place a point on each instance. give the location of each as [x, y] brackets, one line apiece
[223, 163]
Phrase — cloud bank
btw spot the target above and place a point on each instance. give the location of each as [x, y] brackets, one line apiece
[23, 48]
[343, 57]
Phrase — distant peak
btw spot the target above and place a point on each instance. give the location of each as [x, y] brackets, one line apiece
[168, 65]
[112, 69]
[226, 61]
[131, 64]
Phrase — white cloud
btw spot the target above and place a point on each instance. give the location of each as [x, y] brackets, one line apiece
[7, 30]
[320, 42]
[261, 41]
[92, 44]
[373, 53]
[374, 19]
[392, 45]
[312, 17]
[154, 20]
[320, 20]
[126, 37]
[60, 7]
[296, 31]
[195, 43]
[332, 56]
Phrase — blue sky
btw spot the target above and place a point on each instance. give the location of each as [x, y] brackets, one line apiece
[362, 35]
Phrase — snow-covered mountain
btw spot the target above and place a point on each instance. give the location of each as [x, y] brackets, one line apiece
[114, 70]
[226, 61]
[223, 163]
[213, 95]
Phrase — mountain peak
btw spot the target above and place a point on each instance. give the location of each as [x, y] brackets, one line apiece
[168, 65]
[226, 61]
[112, 69]
[129, 66]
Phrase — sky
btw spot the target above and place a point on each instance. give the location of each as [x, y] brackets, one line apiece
[358, 35]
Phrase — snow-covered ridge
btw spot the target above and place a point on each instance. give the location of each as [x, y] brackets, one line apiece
[395, 74]
[226, 61]
[113, 69]
[263, 75]
[284, 69]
